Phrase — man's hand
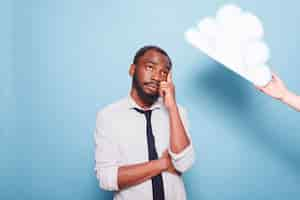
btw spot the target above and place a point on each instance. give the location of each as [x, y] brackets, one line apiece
[275, 88]
[168, 165]
[167, 91]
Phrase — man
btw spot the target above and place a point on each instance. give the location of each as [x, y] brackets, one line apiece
[142, 142]
[277, 90]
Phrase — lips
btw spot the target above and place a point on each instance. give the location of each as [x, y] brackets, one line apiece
[152, 86]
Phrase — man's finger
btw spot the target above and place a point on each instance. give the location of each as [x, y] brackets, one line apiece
[163, 83]
[162, 92]
[165, 153]
[174, 171]
[169, 77]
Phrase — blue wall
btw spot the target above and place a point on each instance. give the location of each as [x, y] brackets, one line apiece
[8, 133]
[67, 59]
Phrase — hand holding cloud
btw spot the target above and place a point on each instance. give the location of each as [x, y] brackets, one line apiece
[235, 39]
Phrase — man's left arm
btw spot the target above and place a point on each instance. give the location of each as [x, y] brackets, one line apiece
[181, 149]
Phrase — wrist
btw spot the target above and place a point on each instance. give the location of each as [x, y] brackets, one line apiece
[163, 164]
[285, 97]
[283, 93]
[173, 107]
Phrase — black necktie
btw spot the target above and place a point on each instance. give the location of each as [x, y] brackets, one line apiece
[157, 181]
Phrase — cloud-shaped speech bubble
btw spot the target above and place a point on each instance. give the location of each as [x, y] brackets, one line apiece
[235, 39]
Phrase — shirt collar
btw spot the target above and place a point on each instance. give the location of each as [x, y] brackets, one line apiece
[132, 104]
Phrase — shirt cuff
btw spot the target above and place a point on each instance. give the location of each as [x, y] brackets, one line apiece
[108, 178]
[183, 160]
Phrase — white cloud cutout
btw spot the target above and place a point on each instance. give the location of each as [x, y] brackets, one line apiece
[234, 38]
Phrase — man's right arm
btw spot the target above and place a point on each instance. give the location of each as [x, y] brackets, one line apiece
[137, 173]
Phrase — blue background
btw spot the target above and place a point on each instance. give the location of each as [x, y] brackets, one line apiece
[61, 61]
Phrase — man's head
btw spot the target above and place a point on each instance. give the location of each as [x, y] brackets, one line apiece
[150, 66]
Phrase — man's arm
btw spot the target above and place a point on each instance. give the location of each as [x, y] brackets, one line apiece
[111, 174]
[178, 136]
[181, 149]
[277, 90]
[134, 174]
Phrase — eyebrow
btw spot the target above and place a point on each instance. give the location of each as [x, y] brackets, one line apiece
[152, 62]
[155, 63]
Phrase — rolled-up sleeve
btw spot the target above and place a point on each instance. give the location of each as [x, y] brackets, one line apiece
[106, 156]
[184, 160]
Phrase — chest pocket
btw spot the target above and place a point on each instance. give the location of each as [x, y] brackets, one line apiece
[132, 141]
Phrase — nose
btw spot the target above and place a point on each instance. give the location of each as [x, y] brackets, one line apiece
[156, 76]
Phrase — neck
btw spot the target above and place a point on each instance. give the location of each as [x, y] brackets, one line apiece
[139, 100]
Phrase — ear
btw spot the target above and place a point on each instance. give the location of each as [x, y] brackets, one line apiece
[132, 69]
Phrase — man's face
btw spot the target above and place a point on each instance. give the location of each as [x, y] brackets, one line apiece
[152, 68]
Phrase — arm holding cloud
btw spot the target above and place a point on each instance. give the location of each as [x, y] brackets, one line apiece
[277, 90]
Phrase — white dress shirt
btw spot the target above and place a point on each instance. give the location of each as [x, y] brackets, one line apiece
[120, 139]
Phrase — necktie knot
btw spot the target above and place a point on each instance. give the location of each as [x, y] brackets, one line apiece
[147, 113]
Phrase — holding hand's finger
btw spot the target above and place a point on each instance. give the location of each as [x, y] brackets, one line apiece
[274, 74]
[258, 88]
[276, 78]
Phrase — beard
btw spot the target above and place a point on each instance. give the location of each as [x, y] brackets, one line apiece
[146, 97]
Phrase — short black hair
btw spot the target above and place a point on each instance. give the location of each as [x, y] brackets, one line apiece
[144, 49]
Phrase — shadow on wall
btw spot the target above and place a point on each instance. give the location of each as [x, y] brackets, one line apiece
[101, 194]
[227, 91]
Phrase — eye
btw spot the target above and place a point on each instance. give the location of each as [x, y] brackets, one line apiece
[164, 73]
[149, 67]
